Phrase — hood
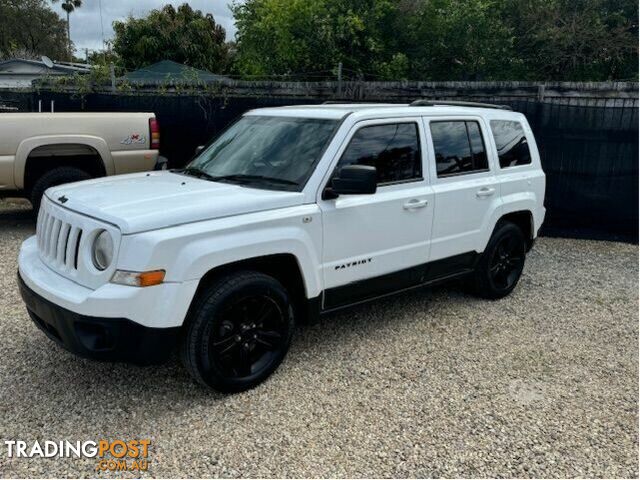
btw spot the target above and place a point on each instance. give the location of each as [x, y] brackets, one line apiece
[148, 201]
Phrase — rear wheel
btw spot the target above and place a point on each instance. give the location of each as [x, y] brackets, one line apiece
[238, 332]
[53, 178]
[502, 262]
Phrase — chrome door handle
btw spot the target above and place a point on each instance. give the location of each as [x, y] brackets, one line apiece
[485, 192]
[414, 204]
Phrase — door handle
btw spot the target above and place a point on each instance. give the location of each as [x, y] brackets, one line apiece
[414, 204]
[485, 192]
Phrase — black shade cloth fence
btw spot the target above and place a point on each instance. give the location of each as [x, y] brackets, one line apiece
[589, 149]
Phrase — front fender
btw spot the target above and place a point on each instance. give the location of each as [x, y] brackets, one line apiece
[188, 252]
[29, 144]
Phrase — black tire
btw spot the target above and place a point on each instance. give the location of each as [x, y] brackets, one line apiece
[501, 264]
[53, 178]
[238, 331]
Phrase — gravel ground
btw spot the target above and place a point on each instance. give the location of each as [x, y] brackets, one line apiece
[429, 384]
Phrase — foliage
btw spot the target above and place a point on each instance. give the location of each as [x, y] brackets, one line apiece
[29, 29]
[279, 37]
[104, 58]
[183, 35]
[576, 39]
[438, 39]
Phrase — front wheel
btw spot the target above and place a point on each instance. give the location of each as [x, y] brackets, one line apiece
[238, 332]
[501, 264]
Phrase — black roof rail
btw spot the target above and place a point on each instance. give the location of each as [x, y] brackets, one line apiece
[457, 103]
[343, 102]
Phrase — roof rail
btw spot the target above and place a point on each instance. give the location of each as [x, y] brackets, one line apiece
[343, 102]
[457, 103]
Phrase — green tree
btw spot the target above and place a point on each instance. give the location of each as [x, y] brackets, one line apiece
[439, 39]
[576, 39]
[69, 6]
[460, 39]
[308, 38]
[183, 35]
[29, 29]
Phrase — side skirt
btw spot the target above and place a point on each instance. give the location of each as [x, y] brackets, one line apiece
[393, 283]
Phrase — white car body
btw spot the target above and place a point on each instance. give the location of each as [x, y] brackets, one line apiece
[189, 226]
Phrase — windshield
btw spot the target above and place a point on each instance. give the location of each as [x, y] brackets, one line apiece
[266, 152]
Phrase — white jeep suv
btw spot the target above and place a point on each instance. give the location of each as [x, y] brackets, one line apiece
[290, 213]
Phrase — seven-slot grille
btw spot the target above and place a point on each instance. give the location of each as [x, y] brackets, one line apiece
[58, 241]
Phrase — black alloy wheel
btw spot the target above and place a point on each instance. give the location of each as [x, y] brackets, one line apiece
[238, 331]
[249, 337]
[501, 264]
[507, 262]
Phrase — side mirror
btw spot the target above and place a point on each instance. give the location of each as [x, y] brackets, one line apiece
[355, 180]
[199, 149]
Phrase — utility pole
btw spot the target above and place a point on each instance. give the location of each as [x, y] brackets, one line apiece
[340, 79]
[112, 73]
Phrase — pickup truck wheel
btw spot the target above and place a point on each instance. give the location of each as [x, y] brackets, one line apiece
[502, 262]
[238, 332]
[53, 178]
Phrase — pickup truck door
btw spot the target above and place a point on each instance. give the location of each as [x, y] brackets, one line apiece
[374, 244]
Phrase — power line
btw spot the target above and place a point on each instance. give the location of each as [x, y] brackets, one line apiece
[101, 22]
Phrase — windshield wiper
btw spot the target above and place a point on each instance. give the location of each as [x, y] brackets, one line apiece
[243, 176]
[196, 172]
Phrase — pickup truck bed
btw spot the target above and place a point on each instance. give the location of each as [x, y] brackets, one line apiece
[40, 150]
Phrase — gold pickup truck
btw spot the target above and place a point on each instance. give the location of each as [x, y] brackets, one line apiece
[42, 150]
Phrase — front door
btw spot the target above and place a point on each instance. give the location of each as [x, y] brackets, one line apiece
[373, 244]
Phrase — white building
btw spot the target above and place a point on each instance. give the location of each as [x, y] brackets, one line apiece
[19, 73]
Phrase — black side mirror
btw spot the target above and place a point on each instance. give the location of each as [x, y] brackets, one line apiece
[199, 149]
[355, 180]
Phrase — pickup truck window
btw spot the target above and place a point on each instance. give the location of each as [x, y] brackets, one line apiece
[511, 143]
[459, 147]
[394, 149]
[266, 152]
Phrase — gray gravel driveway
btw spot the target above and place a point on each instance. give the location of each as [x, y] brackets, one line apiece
[433, 383]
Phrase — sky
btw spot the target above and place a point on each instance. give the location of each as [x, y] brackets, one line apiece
[86, 29]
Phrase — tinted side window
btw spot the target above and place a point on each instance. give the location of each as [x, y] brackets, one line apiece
[459, 147]
[480, 161]
[511, 143]
[394, 150]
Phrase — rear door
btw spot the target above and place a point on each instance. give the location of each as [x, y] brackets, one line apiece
[376, 243]
[466, 188]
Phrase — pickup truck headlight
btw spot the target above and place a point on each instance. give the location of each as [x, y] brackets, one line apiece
[102, 250]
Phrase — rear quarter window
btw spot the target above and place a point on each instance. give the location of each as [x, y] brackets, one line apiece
[511, 143]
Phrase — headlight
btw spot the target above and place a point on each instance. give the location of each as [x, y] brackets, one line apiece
[102, 252]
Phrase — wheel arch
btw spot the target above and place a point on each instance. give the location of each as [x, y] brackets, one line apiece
[37, 155]
[284, 267]
[523, 219]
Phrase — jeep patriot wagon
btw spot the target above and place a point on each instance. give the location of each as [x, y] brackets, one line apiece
[291, 212]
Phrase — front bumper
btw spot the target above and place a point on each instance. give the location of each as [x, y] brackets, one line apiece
[107, 339]
[161, 306]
